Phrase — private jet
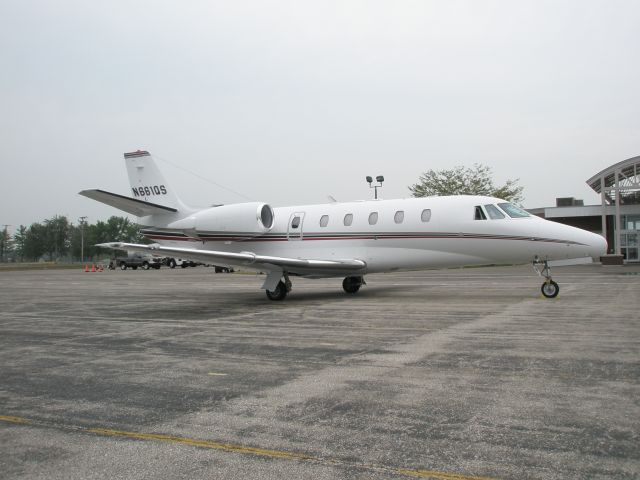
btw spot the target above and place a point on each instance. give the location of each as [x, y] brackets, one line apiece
[345, 239]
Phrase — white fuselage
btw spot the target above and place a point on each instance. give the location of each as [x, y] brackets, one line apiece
[448, 235]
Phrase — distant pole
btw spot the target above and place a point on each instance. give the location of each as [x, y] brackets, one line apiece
[81, 220]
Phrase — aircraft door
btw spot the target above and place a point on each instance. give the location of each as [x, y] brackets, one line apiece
[294, 232]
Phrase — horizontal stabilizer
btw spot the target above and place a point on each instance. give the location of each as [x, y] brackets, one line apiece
[139, 208]
[243, 259]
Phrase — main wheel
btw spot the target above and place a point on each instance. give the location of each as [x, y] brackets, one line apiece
[279, 293]
[352, 284]
[550, 289]
[123, 266]
[145, 265]
[172, 263]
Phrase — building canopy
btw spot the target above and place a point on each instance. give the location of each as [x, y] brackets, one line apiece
[621, 180]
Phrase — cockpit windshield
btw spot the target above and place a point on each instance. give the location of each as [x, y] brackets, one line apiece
[513, 211]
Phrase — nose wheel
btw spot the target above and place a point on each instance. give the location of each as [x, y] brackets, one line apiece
[549, 289]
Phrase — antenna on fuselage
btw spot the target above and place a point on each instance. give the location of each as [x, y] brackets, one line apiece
[379, 179]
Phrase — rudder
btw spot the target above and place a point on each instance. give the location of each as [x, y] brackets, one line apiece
[147, 182]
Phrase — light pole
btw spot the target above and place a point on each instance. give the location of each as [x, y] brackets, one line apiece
[81, 220]
[379, 179]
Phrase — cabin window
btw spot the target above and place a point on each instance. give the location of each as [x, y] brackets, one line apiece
[324, 220]
[348, 219]
[295, 223]
[513, 211]
[494, 212]
[479, 214]
[399, 216]
[373, 218]
[426, 215]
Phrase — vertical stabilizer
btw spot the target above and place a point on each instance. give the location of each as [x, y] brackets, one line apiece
[147, 183]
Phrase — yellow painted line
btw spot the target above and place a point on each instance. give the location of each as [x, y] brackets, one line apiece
[20, 420]
[235, 448]
[438, 475]
[203, 444]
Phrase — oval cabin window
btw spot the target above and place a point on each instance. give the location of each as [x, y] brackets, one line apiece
[324, 220]
[373, 218]
[426, 215]
[399, 216]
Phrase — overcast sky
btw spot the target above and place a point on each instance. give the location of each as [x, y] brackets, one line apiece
[288, 102]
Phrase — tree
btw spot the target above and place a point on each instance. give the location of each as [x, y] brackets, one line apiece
[57, 235]
[463, 180]
[6, 244]
[19, 241]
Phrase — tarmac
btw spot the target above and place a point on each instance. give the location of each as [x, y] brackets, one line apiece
[452, 374]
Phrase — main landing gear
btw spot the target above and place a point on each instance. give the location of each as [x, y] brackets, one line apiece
[549, 289]
[349, 284]
[281, 290]
[353, 284]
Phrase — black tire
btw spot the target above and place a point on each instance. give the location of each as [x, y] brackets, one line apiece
[352, 284]
[172, 263]
[550, 289]
[123, 266]
[279, 293]
[145, 265]
[156, 266]
[184, 265]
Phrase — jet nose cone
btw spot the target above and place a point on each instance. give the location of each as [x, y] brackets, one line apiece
[597, 246]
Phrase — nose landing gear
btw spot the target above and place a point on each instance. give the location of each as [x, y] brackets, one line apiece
[549, 289]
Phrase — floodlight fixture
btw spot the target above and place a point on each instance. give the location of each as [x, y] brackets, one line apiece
[379, 179]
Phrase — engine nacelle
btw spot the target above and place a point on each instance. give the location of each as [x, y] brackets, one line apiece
[244, 219]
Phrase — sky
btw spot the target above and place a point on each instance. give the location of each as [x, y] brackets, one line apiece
[287, 102]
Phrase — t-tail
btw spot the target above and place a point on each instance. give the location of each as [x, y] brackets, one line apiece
[151, 194]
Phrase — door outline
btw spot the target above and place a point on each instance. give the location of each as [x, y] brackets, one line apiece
[295, 233]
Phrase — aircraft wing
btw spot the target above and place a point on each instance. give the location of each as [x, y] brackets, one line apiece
[245, 259]
[139, 208]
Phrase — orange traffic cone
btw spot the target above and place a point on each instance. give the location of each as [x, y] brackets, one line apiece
[93, 267]
[86, 267]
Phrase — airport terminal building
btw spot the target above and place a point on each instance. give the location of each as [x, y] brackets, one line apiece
[618, 214]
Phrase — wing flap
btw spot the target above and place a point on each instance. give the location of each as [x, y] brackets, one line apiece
[244, 259]
[139, 208]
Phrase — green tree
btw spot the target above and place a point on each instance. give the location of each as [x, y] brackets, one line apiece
[35, 245]
[6, 244]
[57, 236]
[19, 242]
[460, 180]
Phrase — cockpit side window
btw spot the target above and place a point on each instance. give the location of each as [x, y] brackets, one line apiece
[494, 212]
[513, 211]
[479, 213]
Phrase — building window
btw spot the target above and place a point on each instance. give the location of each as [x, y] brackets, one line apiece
[426, 215]
[399, 216]
[324, 220]
[348, 219]
[373, 218]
